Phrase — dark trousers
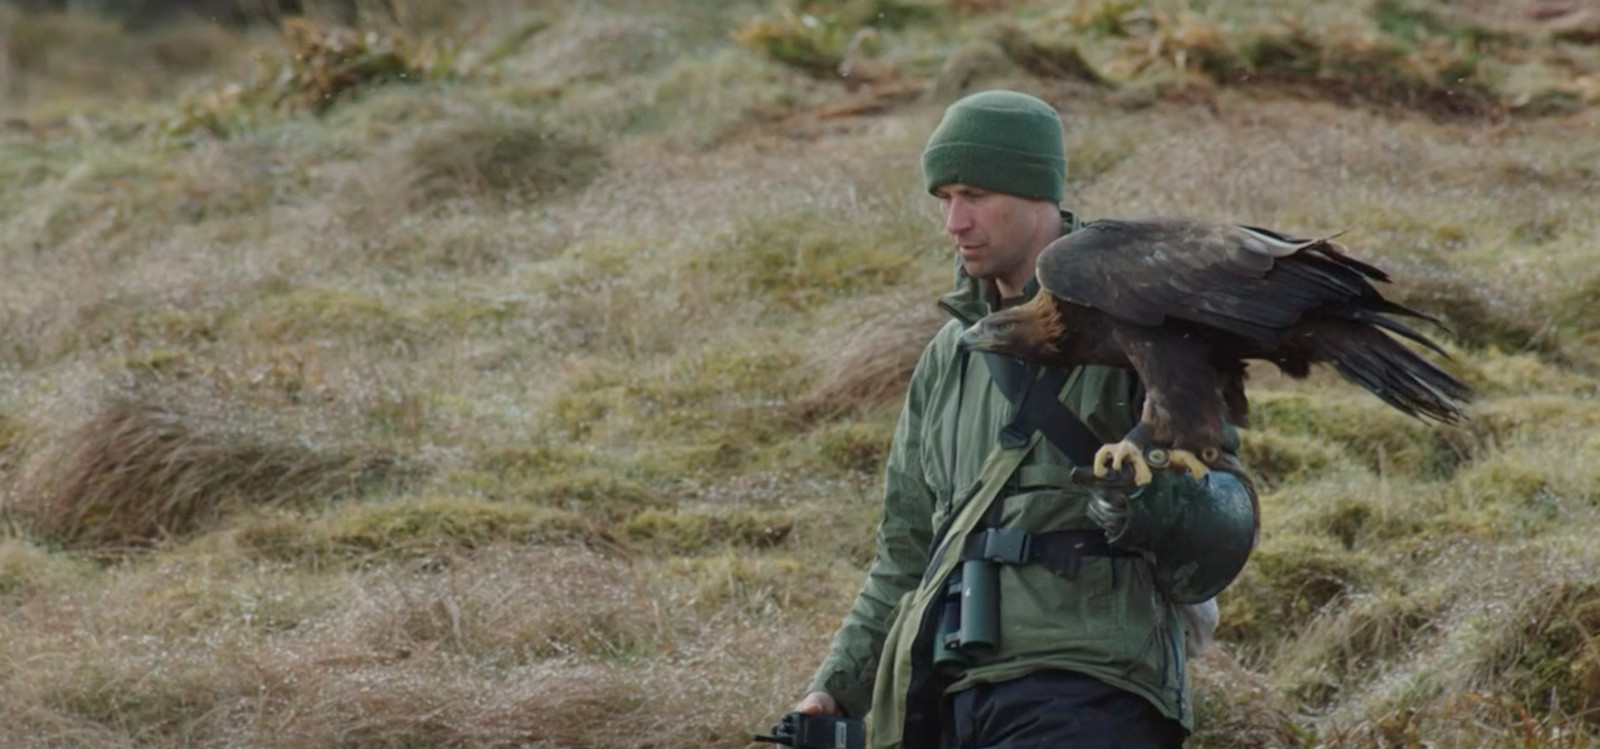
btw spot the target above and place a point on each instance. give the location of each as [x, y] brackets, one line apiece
[1055, 710]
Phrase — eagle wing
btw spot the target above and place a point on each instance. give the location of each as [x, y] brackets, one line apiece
[1147, 272]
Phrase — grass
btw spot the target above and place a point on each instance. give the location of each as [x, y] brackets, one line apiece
[537, 396]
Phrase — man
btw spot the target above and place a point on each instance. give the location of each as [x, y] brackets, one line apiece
[1089, 653]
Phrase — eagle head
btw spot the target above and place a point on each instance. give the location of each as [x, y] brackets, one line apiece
[1029, 331]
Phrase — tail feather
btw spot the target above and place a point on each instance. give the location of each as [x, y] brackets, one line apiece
[1399, 329]
[1390, 370]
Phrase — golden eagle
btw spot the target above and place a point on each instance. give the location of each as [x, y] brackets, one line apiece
[1184, 303]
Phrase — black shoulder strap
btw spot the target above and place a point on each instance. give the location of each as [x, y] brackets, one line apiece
[1035, 398]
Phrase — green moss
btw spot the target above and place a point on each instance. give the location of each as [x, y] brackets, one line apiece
[859, 446]
[752, 586]
[727, 400]
[308, 313]
[592, 492]
[1276, 458]
[802, 260]
[1368, 431]
[128, 323]
[1520, 492]
[811, 44]
[558, 477]
[686, 532]
[159, 362]
[1495, 372]
[14, 433]
[27, 569]
[403, 528]
[535, 461]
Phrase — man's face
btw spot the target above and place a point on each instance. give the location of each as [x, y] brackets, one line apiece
[997, 235]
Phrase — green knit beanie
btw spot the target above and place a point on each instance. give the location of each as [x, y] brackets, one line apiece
[998, 140]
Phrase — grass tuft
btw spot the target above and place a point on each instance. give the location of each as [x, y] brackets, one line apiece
[1276, 458]
[137, 473]
[499, 162]
[690, 532]
[425, 527]
[866, 365]
[1369, 432]
[1477, 314]
[858, 446]
[1554, 669]
[1291, 579]
[1238, 708]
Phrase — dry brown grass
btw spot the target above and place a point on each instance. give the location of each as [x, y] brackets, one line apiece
[485, 162]
[137, 473]
[1237, 707]
[52, 64]
[509, 647]
[869, 362]
[436, 432]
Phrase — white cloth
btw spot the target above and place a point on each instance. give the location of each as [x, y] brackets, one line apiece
[1200, 625]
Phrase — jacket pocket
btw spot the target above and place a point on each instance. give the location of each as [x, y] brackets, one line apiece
[1042, 612]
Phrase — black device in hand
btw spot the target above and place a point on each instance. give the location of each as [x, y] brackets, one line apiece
[817, 732]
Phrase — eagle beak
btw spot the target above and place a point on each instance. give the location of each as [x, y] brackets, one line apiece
[986, 335]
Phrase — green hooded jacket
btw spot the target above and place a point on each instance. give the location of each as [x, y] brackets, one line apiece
[1109, 622]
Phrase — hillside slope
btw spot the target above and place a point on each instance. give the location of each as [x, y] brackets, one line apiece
[518, 373]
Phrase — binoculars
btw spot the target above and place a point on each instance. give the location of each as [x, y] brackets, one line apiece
[969, 616]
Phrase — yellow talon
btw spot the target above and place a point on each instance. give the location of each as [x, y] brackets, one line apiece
[1110, 458]
[1185, 459]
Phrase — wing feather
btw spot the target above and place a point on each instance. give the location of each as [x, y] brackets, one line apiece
[1147, 272]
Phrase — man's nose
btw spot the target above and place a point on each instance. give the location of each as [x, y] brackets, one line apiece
[957, 217]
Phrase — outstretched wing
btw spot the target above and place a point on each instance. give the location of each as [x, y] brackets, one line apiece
[1147, 272]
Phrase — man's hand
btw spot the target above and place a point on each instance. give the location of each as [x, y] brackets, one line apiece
[818, 703]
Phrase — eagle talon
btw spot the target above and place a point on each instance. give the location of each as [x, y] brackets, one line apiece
[1110, 458]
[1188, 460]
